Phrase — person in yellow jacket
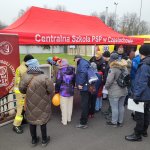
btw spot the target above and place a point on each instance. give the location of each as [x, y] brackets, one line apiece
[20, 97]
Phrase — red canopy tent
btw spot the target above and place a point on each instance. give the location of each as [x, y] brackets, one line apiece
[40, 26]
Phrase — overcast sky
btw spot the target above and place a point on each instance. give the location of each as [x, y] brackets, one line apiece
[9, 8]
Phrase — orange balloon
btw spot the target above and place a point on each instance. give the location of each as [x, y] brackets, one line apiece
[56, 100]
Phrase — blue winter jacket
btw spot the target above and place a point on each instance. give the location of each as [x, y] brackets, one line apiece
[134, 66]
[81, 74]
[141, 89]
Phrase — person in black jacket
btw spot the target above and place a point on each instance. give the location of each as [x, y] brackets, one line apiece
[106, 57]
[120, 51]
[100, 62]
[82, 85]
[141, 93]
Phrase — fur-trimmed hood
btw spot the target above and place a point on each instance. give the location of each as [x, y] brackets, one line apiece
[118, 64]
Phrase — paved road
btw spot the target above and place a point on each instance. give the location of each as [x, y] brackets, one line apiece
[98, 136]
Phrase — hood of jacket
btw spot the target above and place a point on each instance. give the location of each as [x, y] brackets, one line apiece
[146, 60]
[68, 70]
[118, 64]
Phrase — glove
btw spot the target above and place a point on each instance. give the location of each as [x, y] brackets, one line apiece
[136, 101]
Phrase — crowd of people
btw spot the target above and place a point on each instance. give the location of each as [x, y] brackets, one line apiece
[113, 77]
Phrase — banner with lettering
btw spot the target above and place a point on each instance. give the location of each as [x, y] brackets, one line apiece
[9, 61]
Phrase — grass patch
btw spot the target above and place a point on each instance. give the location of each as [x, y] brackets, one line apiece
[42, 58]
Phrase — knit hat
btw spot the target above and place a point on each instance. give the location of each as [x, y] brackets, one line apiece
[28, 57]
[32, 63]
[144, 50]
[94, 66]
[63, 63]
[113, 57]
[55, 58]
[77, 56]
[50, 61]
[106, 54]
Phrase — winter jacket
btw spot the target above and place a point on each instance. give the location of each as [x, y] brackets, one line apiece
[106, 72]
[39, 91]
[101, 65]
[122, 56]
[134, 66]
[141, 89]
[81, 74]
[18, 75]
[114, 90]
[65, 81]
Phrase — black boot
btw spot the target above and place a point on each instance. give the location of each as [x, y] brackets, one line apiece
[145, 134]
[35, 141]
[133, 137]
[45, 141]
[18, 129]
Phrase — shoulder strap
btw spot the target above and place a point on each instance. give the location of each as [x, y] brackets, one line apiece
[29, 85]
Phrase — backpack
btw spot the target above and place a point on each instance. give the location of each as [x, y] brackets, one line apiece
[92, 77]
[123, 79]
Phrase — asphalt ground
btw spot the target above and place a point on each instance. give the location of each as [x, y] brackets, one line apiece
[98, 135]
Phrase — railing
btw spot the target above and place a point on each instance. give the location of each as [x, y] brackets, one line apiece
[7, 109]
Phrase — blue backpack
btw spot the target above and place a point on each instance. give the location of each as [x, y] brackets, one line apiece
[92, 77]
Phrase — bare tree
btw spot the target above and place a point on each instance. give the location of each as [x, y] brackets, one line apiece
[111, 20]
[144, 28]
[102, 16]
[21, 12]
[94, 14]
[129, 25]
[2, 25]
[60, 8]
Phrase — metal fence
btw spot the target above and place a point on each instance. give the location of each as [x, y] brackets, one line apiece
[7, 109]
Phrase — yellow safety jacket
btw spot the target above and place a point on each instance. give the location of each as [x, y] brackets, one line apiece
[19, 73]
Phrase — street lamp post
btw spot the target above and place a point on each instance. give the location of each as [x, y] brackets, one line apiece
[140, 17]
[116, 4]
[106, 16]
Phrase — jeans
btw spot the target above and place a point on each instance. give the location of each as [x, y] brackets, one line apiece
[84, 107]
[142, 120]
[117, 107]
[34, 134]
[92, 101]
[98, 104]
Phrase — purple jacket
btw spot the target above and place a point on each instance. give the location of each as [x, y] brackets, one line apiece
[65, 81]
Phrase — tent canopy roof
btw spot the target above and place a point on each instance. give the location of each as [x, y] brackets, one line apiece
[44, 26]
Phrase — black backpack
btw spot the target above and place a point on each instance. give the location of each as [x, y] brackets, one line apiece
[123, 79]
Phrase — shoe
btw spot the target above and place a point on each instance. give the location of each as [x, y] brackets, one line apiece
[64, 123]
[120, 124]
[105, 113]
[96, 111]
[133, 137]
[24, 122]
[145, 134]
[108, 117]
[112, 124]
[35, 141]
[18, 129]
[91, 116]
[82, 126]
[45, 142]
